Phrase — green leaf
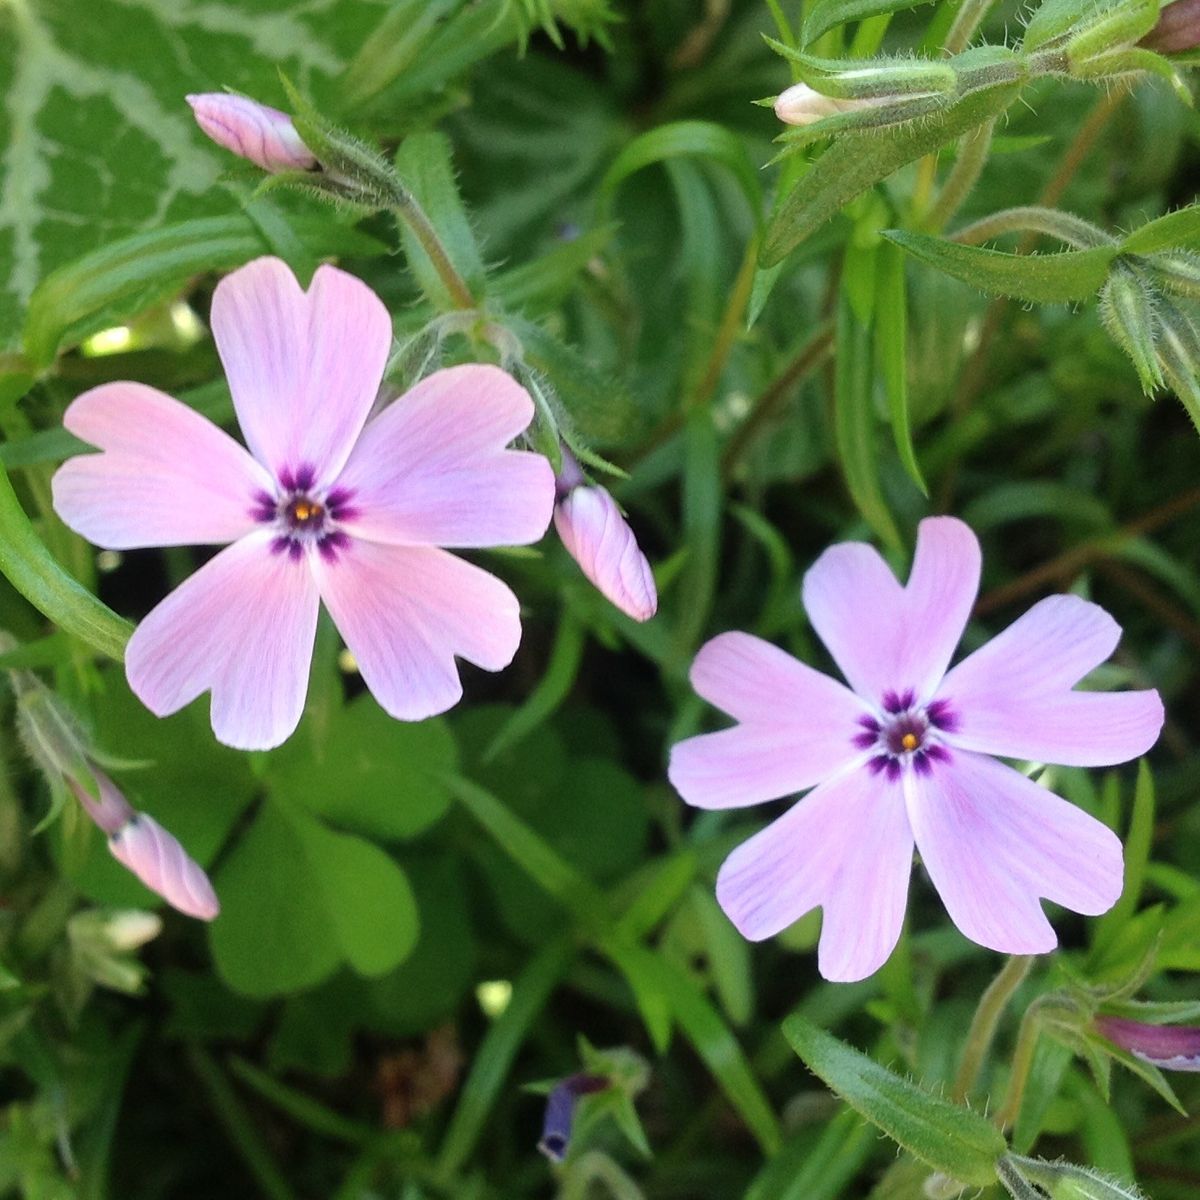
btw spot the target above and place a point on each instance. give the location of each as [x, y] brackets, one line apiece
[825, 14]
[298, 899]
[1137, 854]
[545, 282]
[426, 166]
[853, 164]
[854, 419]
[367, 772]
[31, 569]
[494, 1058]
[98, 142]
[950, 1138]
[891, 350]
[686, 139]
[1174, 231]
[1060, 278]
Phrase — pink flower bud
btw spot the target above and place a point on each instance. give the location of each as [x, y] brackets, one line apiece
[599, 539]
[111, 811]
[801, 105]
[257, 132]
[161, 863]
[1178, 28]
[1171, 1047]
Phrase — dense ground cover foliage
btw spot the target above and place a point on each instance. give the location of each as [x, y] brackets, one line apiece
[958, 282]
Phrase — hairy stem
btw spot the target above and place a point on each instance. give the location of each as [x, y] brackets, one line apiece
[967, 20]
[964, 175]
[987, 1017]
[413, 215]
[1022, 1064]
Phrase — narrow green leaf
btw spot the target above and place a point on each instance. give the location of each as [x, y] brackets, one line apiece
[950, 1138]
[825, 14]
[126, 276]
[31, 569]
[891, 348]
[854, 421]
[494, 1058]
[806, 1171]
[1178, 230]
[1137, 855]
[426, 166]
[686, 139]
[853, 164]
[708, 1033]
[544, 282]
[1067, 276]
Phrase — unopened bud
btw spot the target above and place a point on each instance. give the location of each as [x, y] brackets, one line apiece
[131, 929]
[48, 729]
[1168, 1047]
[560, 1112]
[1127, 308]
[263, 135]
[161, 863]
[802, 105]
[1179, 272]
[1177, 30]
[599, 539]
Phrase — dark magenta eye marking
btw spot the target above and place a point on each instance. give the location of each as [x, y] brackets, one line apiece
[907, 734]
[302, 516]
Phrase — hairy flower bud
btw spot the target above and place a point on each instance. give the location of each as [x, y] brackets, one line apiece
[161, 863]
[802, 105]
[599, 539]
[263, 135]
[1128, 310]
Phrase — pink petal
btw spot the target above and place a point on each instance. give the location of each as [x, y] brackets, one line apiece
[257, 132]
[303, 367]
[241, 627]
[1011, 696]
[599, 539]
[432, 468]
[845, 847]
[406, 611]
[155, 856]
[167, 477]
[993, 842]
[888, 638]
[799, 726]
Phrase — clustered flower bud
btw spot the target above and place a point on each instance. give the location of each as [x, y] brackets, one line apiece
[599, 539]
[263, 135]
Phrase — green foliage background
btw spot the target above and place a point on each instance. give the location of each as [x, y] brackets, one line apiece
[419, 920]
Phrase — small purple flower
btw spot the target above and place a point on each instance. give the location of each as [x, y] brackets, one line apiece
[263, 135]
[560, 1112]
[599, 539]
[1170, 1047]
[141, 845]
[324, 505]
[905, 758]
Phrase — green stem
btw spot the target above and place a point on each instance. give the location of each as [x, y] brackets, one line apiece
[238, 1127]
[1022, 1064]
[967, 20]
[1033, 219]
[594, 1167]
[983, 1025]
[33, 571]
[964, 175]
[413, 215]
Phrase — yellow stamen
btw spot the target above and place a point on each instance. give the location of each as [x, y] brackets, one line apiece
[909, 741]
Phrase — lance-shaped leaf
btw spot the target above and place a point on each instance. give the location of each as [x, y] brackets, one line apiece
[1039, 278]
[826, 14]
[1176, 230]
[951, 1139]
[851, 165]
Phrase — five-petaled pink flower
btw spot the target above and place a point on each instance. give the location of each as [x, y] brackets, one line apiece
[324, 507]
[905, 757]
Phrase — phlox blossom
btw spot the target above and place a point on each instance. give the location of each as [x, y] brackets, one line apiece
[903, 756]
[325, 505]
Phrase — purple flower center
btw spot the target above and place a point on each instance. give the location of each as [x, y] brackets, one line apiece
[906, 734]
[305, 516]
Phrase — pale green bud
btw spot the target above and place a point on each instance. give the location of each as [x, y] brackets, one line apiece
[1178, 272]
[1066, 1181]
[1128, 309]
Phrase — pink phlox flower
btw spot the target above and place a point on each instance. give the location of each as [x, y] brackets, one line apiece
[321, 508]
[257, 132]
[141, 845]
[600, 540]
[904, 756]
